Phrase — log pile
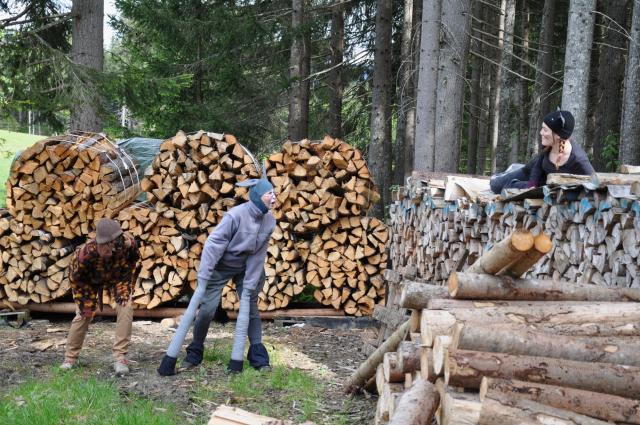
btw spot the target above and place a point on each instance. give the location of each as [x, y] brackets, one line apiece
[505, 350]
[166, 256]
[346, 262]
[195, 176]
[324, 191]
[61, 186]
[64, 183]
[442, 224]
[33, 264]
[317, 183]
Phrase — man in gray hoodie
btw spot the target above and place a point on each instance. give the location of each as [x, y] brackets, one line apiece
[236, 250]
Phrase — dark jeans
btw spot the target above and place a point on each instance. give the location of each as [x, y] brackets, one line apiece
[209, 305]
[516, 176]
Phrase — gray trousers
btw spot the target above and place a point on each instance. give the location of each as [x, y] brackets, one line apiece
[210, 302]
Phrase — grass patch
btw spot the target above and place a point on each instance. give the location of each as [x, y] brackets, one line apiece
[70, 399]
[283, 393]
[10, 143]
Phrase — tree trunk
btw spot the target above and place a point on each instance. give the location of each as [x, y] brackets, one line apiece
[474, 101]
[542, 245]
[367, 369]
[504, 253]
[520, 411]
[507, 89]
[335, 76]
[404, 93]
[88, 52]
[476, 337]
[410, 127]
[577, 64]
[542, 86]
[440, 322]
[496, 86]
[452, 62]
[610, 76]
[519, 146]
[297, 121]
[466, 369]
[424, 158]
[630, 128]
[486, 287]
[380, 145]
[485, 97]
[416, 295]
[602, 406]
[417, 405]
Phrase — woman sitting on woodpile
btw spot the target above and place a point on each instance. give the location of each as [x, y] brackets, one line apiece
[559, 156]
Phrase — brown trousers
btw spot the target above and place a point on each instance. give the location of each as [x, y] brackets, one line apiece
[80, 325]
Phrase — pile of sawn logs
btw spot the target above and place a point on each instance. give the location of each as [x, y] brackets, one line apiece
[59, 187]
[594, 223]
[324, 191]
[498, 349]
[56, 190]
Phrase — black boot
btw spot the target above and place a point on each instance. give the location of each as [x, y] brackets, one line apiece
[167, 366]
[195, 353]
[258, 357]
[234, 367]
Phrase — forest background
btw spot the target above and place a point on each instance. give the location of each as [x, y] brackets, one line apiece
[433, 85]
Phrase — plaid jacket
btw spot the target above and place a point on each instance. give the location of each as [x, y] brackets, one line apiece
[89, 274]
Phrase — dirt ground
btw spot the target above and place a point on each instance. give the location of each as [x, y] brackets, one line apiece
[332, 355]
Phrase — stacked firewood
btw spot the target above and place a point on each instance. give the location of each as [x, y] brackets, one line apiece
[64, 183]
[318, 182]
[166, 259]
[346, 262]
[324, 191]
[502, 349]
[444, 223]
[33, 264]
[196, 176]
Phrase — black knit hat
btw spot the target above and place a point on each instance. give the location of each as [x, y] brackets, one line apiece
[560, 122]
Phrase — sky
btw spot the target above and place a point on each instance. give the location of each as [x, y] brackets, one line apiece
[109, 10]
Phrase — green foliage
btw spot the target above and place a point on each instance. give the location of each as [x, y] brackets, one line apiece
[195, 65]
[34, 70]
[610, 152]
[69, 399]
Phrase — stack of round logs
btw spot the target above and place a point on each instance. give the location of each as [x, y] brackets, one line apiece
[190, 185]
[495, 348]
[324, 190]
[64, 183]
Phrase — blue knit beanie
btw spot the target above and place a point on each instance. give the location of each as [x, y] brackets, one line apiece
[258, 188]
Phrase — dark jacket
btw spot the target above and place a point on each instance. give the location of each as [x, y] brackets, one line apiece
[540, 166]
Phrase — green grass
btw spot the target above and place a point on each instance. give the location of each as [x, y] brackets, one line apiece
[10, 143]
[70, 399]
[284, 393]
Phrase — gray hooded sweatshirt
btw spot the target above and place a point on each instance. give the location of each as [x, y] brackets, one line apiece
[240, 239]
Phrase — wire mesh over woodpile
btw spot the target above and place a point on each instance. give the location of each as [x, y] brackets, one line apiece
[33, 264]
[64, 183]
